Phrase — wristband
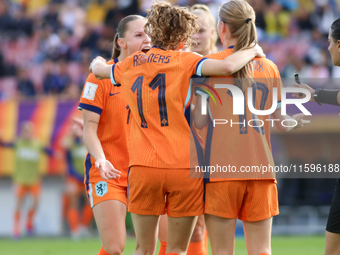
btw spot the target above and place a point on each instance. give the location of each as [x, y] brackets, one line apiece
[316, 96]
[326, 96]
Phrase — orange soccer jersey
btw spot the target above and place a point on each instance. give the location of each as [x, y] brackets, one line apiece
[156, 86]
[101, 97]
[242, 145]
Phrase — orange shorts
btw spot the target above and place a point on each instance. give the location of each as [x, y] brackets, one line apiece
[73, 186]
[102, 191]
[151, 191]
[248, 200]
[22, 190]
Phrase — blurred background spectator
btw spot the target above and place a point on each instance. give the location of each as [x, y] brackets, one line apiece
[49, 37]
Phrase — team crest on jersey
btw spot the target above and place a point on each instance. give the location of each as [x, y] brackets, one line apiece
[101, 189]
[90, 90]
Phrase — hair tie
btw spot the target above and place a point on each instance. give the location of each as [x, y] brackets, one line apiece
[247, 20]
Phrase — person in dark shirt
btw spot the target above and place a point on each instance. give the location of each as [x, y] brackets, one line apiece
[25, 85]
[56, 83]
[327, 96]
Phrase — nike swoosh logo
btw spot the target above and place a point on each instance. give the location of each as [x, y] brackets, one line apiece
[114, 94]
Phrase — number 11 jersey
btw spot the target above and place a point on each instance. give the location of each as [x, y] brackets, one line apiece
[156, 87]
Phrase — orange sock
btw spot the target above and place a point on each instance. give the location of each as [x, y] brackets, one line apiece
[206, 243]
[103, 252]
[264, 254]
[66, 202]
[196, 248]
[87, 215]
[172, 253]
[73, 217]
[162, 249]
[30, 218]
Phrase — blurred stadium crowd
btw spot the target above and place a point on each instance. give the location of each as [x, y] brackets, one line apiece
[47, 45]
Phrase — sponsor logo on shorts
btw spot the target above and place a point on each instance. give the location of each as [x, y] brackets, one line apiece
[101, 189]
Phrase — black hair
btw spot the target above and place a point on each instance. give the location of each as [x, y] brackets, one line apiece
[335, 27]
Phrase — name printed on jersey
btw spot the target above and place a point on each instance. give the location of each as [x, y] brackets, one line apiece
[155, 58]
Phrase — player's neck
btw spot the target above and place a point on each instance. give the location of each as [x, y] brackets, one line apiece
[123, 55]
[230, 42]
[205, 52]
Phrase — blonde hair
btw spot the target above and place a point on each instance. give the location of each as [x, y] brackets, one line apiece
[202, 9]
[121, 30]
[169, 26]
[240, 18]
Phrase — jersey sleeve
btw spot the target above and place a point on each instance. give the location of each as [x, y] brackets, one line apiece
[193, 62]
[117, 71]
[92, 97]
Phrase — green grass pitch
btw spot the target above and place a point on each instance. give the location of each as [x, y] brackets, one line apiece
[281, 245]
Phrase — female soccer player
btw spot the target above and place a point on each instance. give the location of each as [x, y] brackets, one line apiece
[156, 86]
[106, 116]
[26, 176]
[205, 40]
[206, 37]
[250, 197]
[326, 96]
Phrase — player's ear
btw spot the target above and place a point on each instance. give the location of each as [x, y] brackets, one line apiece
[221, 26]
[122, 43]
[212, 31]
[221, 29]
[338, 45]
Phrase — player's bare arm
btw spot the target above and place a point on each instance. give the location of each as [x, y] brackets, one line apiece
[93, 145]
[232, 63]
[100, 69]
[79, 122]
[291, 121]
[92, 121]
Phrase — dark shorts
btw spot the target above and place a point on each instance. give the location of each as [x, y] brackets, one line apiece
[333, 223]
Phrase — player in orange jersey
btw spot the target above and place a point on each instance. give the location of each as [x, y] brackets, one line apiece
[205, 40]
[206, 37]
[106, 116]
[156, 85]
[250, 197]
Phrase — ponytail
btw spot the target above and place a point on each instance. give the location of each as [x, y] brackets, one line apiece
[116, 48]
[240, 18]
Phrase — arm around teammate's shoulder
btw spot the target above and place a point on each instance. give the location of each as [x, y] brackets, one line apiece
[232, 63]
[100, 69]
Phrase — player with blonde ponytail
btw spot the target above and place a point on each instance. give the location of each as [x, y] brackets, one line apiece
[249, 197]
[156, 86]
